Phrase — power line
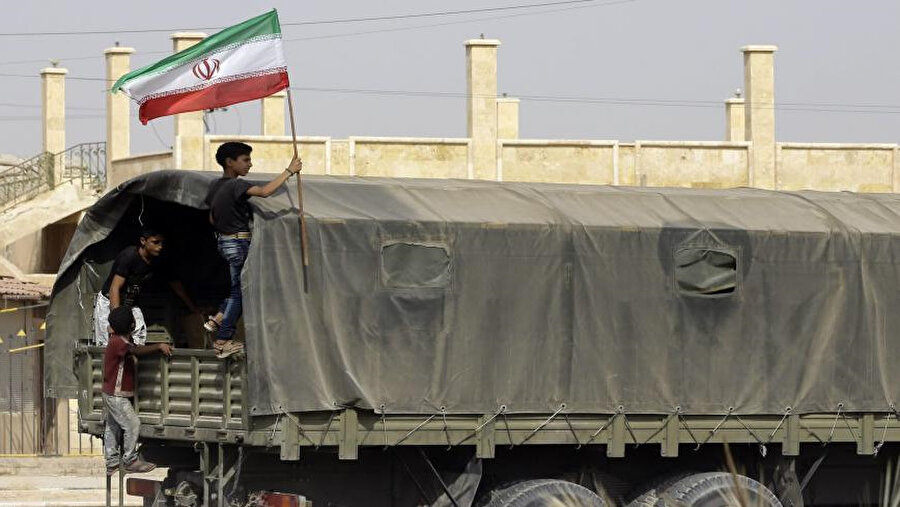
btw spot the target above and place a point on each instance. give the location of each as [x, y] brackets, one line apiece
[459, 22]
[315, 22]
[365, 32]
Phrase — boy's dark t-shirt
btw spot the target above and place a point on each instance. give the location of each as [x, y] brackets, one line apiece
[227, 200]
[118, 367]
[131, 266]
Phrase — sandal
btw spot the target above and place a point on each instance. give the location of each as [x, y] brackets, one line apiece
[230, 347]
[211, 325]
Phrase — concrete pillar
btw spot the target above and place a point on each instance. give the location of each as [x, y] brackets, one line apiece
[273, 114]
[759, 110]
[53, 105]
[734, 119]
[118, 123]
[507, 118]
[189, 129]
[481, 84]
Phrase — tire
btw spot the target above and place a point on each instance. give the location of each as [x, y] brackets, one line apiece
[544, 493]
[717, 489]
[650, 492]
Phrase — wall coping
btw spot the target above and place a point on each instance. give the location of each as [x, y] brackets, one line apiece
[266, 139]
[695, 144]
[556, 142]
[838, 146]
[409, 140]
[143, 156]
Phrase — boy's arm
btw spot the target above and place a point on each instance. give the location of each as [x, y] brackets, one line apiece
[269, 188]
[143, 350]
[114, 288]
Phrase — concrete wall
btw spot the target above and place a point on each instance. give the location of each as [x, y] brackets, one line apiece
[410, 157]
[585, 162]
[124, 169]
[834, 167]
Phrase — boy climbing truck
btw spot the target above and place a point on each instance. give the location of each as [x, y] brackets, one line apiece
[229, 214]
[509, 344]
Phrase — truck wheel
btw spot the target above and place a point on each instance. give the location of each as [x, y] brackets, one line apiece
[650, 492]
[718, 489]
[544, 492]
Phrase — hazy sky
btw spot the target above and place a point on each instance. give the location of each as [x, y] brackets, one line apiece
[640, 69]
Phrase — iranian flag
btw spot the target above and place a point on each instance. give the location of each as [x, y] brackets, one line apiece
[243, 62]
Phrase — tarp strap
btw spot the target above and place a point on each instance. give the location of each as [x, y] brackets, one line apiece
[562, 406]
[887, 420]
[787, 412]
[762, 446]
[274, 430]
[716, 429]
[508, 432]
[417, 428]
[572, 429]
[446, 430]
[684, 424]
[482, 425]
[628, 427]
[299, 426]
[657, 432]
[605, 425]
[837, 416]
[327, 427]
[384, 426]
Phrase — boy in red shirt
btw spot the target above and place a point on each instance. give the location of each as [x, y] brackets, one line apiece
[118, 389]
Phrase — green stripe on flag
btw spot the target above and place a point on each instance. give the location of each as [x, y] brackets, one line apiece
[266, 24]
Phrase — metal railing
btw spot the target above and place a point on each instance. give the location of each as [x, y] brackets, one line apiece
[83, 165]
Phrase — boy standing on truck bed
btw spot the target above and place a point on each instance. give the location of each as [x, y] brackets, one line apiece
[229, 213]
[134, 266]
[122, 423]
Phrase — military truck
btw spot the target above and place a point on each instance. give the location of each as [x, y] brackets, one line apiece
[485, 343]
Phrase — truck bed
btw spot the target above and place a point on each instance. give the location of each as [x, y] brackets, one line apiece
[193, 396]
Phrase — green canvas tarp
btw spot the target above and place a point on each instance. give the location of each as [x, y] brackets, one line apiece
[469, 295]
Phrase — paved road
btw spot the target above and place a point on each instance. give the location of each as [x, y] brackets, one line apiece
[59, 482]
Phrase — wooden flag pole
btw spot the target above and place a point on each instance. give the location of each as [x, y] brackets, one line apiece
[303, 237]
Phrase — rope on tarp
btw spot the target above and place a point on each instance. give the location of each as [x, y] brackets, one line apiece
[605, 425]
[508, 432]
[327, 427]
[446, 429]
[684, 424]
[716, 429]
[274, 429]
[417, 428]
[657, 432]
[478, 428]
[384, 426]
[762, 446]
[299, 426]
[562, 406]
[887, 419]
[572, 429]
[840, 407]
[627, 424]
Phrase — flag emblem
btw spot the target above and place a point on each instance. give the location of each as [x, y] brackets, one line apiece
[206, 68]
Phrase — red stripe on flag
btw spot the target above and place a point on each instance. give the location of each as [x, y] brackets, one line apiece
[219, 95]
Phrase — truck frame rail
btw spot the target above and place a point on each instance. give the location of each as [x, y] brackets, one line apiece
[193, 396]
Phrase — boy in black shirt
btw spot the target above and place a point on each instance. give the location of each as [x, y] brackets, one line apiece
[132, 268]
[229, 213]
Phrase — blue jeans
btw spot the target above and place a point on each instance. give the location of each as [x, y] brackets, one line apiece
[234, 251]
[122, 428]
